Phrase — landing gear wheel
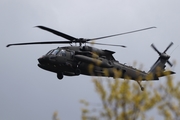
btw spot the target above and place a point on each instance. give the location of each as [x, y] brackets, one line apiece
[59, 76]
[77, 71]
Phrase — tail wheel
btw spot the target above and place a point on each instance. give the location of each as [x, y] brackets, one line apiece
[60, 75]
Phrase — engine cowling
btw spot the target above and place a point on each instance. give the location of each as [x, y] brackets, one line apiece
[96, 50]
[98, 62]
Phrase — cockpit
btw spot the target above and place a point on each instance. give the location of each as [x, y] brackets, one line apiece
[59, 52]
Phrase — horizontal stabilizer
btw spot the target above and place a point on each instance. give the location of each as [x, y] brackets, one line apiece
[165, 73]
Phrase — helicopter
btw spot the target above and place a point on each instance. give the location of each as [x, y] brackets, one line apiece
[87, 60]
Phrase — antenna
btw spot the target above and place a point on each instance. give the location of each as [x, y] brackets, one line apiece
[174, 49]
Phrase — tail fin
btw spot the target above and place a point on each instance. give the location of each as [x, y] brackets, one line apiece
[158, 68]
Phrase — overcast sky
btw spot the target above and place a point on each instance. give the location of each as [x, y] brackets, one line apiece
[30, 93]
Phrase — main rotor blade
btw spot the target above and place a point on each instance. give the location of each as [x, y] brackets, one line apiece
[168, 47]
[120, 34]
[152, 45]
[47, 42]
[57, 33]
[108, 44]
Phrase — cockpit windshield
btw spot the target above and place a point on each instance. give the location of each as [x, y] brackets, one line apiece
[49, 52]
[55, 52]
[58, 52]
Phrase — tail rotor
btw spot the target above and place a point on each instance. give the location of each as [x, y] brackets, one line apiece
[163, 54]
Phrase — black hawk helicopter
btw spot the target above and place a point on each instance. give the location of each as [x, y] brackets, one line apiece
[87, 60]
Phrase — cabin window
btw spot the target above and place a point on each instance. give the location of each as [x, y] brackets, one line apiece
[103, 57]
[72, 54]
[63, 52]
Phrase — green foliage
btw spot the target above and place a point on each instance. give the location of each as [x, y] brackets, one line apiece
[123, 100]
[55, 116]
[169, 107]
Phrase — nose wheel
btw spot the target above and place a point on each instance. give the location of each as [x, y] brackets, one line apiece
[60, 75]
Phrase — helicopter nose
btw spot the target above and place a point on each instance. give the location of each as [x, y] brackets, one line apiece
[42, 60]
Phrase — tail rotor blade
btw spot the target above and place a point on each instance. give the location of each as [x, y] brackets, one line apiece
[152, 45]
[168, 47]
[170, 63]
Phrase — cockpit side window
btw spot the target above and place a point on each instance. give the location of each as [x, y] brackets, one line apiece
[62, 53]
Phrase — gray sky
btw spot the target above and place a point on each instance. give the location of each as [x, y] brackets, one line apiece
[28, 92]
